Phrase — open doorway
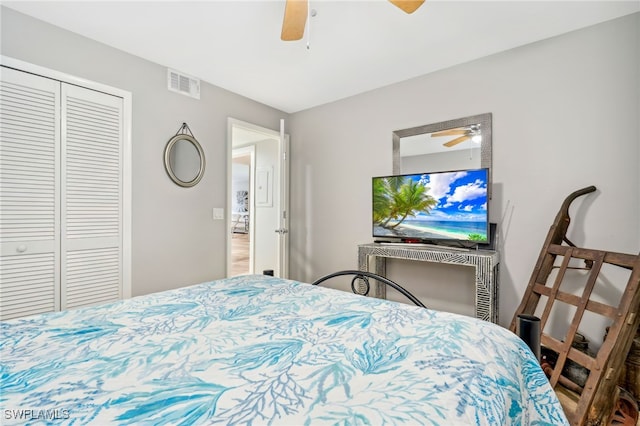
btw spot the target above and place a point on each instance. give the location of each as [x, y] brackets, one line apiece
[257, 200]
[242, 171]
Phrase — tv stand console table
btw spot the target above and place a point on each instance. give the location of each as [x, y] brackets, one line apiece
[486, 263]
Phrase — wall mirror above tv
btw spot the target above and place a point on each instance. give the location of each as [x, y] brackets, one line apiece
[463, 143]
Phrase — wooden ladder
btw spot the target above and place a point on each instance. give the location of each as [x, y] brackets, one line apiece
[595, 402]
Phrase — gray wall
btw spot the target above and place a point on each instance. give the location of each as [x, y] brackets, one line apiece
[175, 241]
[565, 116]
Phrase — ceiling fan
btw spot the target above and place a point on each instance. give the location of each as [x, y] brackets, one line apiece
[296, 11]
[464, 133]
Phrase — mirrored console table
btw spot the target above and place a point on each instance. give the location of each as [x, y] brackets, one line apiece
[372, 257]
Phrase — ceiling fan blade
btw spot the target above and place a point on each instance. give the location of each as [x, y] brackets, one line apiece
[450, 132]
[408, 6]
[456, 141]
[295, 18]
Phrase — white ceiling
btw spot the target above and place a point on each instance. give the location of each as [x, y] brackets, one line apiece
[354, 46]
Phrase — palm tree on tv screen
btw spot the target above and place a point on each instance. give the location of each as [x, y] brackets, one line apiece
[396, 198]
[383, 190]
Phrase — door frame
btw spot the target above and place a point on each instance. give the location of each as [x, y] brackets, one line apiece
[281, 186]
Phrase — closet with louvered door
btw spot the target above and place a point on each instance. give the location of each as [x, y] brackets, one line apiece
[61, 183]
[91, 197]
[29, 194]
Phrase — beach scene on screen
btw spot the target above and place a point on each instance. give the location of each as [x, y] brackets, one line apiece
[432, 206]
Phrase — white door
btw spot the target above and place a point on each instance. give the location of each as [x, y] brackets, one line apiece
[61, 195]
[283, 231]
[29, 194]
[92, 180]
[270, 195]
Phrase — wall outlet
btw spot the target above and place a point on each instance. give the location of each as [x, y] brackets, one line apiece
[218, 213]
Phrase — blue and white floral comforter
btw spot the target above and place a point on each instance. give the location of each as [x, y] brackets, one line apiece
[261, 350]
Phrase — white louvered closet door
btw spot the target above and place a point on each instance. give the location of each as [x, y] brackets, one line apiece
[61, 202]
[29, 194]
[91, 197]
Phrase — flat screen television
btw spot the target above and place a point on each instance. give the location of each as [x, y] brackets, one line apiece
[448, 208]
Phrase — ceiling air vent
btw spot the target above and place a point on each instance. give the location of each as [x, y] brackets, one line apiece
[182, 83]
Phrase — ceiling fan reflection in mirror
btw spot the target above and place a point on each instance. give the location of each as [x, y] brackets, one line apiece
[296, 12]
[463, 133]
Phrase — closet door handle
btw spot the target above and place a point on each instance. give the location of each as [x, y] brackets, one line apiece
[21, 248]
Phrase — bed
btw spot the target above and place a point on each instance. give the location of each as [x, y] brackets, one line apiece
[264, 350]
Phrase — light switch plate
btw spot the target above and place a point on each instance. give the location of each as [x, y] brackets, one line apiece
[218, 213]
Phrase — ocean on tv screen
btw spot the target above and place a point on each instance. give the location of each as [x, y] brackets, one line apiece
[432, 206]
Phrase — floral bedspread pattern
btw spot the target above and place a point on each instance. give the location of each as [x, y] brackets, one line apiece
[255, 350]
